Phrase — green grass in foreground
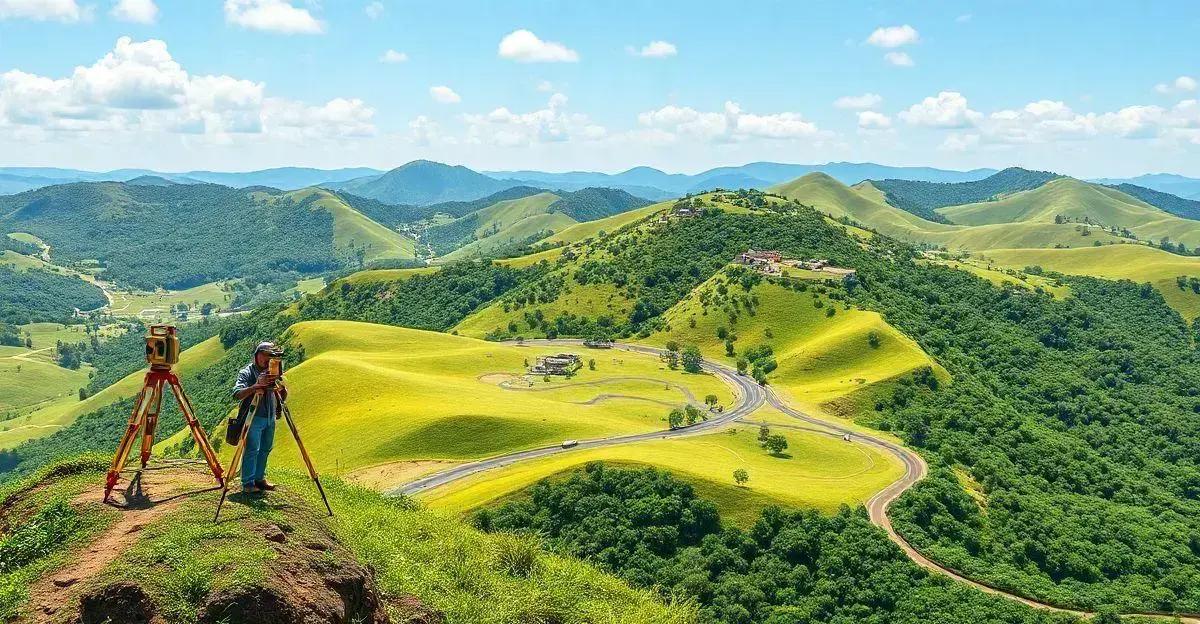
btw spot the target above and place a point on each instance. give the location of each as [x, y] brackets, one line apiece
[817, 470]
[182, 557]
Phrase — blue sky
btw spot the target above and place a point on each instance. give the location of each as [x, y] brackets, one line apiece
[1084, 88]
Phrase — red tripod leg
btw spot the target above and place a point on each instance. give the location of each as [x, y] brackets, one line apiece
[185, 406]
[126, 444]
[151, 421]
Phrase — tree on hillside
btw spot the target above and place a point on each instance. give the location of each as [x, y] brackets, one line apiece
[692, 359]
[764, 432]
[693, 414]
[711, 401]
[740, 476]
[776, 444]
[675, 418]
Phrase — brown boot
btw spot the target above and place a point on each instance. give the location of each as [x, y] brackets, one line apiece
[265, 485]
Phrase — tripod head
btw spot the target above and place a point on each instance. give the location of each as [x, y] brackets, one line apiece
[162, 347]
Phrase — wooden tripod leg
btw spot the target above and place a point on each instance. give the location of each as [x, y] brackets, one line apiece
[126, 444]
[151, 424]
[235, 461]
[312, 471]
[185, 406]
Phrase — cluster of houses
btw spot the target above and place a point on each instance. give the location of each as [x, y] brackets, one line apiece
[559, 364]
[773, 263]
[683, 209]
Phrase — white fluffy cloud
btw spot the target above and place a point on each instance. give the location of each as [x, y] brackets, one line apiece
[731, 124]
[393, 57]
[894, 36]
[859, 102]
[374, 10]
[138, 87]
[444, 95]
[871, 120]
[525, 47]
[1051, 121]
[137, 11]
[551, 124]
[654, 49]
[1182, 84]
[947, 109]
[42, 10]
[899, 59]
[272, 16]
[423, 130]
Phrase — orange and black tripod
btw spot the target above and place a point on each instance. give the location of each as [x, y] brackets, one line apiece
[145, 419]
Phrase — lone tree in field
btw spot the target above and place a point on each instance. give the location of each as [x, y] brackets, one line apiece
[692, 359]
[711, 401]
[776, 444]
[693, 414]
[740, 476]
[764, 432]
[591, 363]
[675, 418]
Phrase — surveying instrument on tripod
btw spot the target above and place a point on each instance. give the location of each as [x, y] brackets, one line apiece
[162, 353]
[275, 372]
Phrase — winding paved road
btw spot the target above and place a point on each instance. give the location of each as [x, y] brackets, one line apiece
[750, 396]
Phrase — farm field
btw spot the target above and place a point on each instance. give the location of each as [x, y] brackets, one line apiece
[156, 306]
[1133, 262]
[385, 275]
[57, 414]
[30, 378]
[372, 394]
[817, 470]
[821, 358]
[49, 334]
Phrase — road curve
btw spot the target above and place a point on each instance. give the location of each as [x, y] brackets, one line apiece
[749, 396]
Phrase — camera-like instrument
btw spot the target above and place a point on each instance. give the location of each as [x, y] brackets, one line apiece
[162, 346]
[162, 353]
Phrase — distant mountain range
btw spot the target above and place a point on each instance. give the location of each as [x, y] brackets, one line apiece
[1188, 188]
[423, 182]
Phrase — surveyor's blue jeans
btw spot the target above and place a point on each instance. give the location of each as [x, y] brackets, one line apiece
[259, 441]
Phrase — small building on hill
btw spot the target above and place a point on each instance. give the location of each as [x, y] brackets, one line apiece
[559, 364]
[760, 258]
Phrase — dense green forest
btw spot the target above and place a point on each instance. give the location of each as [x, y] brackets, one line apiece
[1174, 204]
[921, 198]
[32, 295]
[793, 567]
[393, 215]
[174, 236]
[589, 204]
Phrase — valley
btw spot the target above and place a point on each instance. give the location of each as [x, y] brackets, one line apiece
[412, 377]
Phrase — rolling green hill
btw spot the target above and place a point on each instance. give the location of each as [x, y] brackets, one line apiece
[503, 224]
[353, 231]
[422, 182]
[822, 359]
[183, 235]
[861, 204]
[923, 198]
[386, 388]
[1132, 262]
[32, 290]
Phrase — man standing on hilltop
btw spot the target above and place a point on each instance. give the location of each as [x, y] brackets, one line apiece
[253, 379]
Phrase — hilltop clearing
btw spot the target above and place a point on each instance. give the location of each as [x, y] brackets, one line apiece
[158, 556]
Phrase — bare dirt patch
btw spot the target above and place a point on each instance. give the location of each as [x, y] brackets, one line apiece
[161, 488]
[394, 474]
